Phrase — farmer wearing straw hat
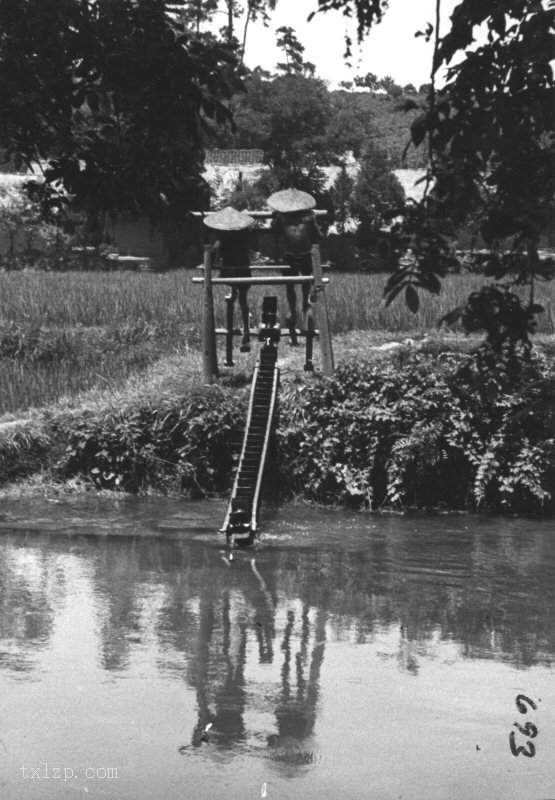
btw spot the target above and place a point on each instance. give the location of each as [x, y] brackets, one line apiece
[299, 231]
[230, 254]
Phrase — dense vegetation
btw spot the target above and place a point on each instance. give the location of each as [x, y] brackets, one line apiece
[425, 431]
[490, 140]
[297, 114]
[118, 100]
[420, 430]
[109, 99]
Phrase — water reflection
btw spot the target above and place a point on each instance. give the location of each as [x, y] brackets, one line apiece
[31, 586]
[243, 626]
[296, 712]
[249, 637]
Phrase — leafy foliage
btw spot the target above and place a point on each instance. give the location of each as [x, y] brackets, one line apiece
[294, 62]
[32, 240]
[370, 81]
[286, 117]
[376, 191]
[424, 432]
[368, 119]
[346, 121]
[254, 195]
[342, 197]
[190, 447]
[23, 452]
[301, 127]
[490, 142]
[424, 429]
[110, 97]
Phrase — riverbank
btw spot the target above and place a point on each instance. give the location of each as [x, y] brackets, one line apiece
[64, 334]
[407, 423]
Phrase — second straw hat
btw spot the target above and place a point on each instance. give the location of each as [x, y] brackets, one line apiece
[289, 200]
[228, 219]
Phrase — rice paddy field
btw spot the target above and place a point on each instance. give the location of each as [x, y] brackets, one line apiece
[65, 333]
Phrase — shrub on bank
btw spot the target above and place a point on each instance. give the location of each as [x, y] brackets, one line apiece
[189, 446]
[424, 431]
[414, 430]
[24, 451]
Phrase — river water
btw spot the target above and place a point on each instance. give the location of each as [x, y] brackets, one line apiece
[345, 656]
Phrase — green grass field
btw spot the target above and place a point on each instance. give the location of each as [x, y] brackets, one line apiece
[65, 333]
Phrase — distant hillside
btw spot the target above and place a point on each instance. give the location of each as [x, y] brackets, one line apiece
[303, 120]
[390, 124]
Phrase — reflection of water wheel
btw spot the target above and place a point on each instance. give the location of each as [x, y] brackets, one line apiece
[239, 531]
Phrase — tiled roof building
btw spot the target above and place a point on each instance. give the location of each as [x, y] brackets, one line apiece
[232, 157]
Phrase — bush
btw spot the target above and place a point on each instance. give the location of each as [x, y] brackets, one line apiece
[376, 191]
[192, 446]
[31, 241]
[424, 432]
[23, 452]
[422, 429]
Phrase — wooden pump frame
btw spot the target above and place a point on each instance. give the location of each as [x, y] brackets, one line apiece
[318, 304]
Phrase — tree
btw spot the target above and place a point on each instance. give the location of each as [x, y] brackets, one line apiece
[376, 192]
[195, 14]
[342, 198]
[232, 11]
[111, 98]
[350, 124]
[370, 81]
[351, 121]
[256, 9]
[386, 83]
[489, 133]
[253, 195]
[199, 14]
[287, 116]
[296, 144]
[294, 63]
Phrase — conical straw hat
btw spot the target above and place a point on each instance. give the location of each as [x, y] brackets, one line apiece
[289, 200]
[228, 219]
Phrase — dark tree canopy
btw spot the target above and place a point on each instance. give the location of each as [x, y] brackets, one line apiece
[287, 116]
[292, 111]
[376, 191]
[111, 98]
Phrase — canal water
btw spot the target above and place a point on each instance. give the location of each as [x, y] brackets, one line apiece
[345, 656]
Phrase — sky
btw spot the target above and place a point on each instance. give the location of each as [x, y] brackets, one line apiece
[389, 49]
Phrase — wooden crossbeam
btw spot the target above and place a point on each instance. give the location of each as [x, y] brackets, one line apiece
[317, 302]
[258, 280]
[265, 267]
[254, 332]
[319, 212]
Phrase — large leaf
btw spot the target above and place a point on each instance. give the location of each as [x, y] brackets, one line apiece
[419, 129]
[411, 299]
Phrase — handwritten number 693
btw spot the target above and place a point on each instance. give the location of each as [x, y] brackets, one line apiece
[529, 729]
